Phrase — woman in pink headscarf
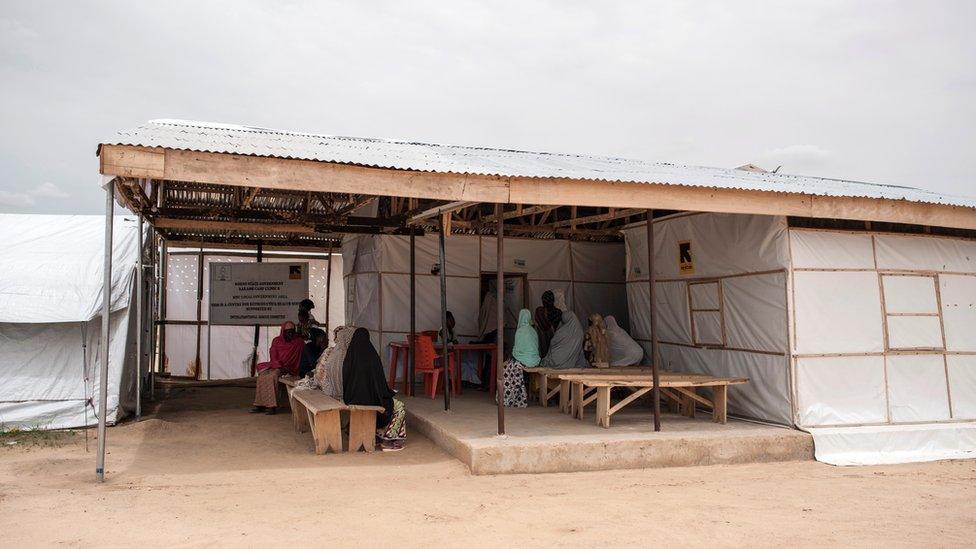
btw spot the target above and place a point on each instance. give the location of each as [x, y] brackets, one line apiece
[286, 354]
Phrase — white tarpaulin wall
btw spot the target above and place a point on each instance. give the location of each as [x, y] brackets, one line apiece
[377, 278]
[225, 352]
[885, 345]
[727, 314]
[50, 325]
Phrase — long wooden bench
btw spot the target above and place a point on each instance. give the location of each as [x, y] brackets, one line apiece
[679, 387]
[312, 410]
[573, 404]
[546, 386]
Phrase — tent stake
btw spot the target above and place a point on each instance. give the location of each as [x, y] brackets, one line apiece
[139, 326]
[411, 354]
[445, 340]
[655, 390]
[500, 301]
[103, 348]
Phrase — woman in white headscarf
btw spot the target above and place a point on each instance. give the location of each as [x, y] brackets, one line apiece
[566, 347]
[624, 351]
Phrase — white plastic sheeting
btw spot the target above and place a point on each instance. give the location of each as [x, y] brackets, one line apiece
[738, 303]
[873, 382]
[378, 282]
[225, 351]
[50, 325]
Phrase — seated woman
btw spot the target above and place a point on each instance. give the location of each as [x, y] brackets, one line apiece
[363, 382]
[328, 371]
[624, 351]
[566, 347]
[285, 354]
[312, 351]
[596, 347]
[525, 354]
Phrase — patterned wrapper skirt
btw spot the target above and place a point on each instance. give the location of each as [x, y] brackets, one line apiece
[266, 392]
[397, 428]
[514, 385]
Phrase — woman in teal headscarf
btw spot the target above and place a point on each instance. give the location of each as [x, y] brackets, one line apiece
[525, 354]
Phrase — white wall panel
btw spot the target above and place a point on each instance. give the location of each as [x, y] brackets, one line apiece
[640, 319]
[840, 390]
[598, 262]
[831, 250]
[909, 294]
[917, 388]
[914, 332]
[708, 328]
[541, 259]
[604, 299]
[461, 253]
[926, 253]
[181, 287]
[704, 295]
[837, 312]
[755, 312]
[462, 301]
[959, 311]
[962, 385]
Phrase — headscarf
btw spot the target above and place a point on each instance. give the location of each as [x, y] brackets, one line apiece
[363, 381]
[548, 299]
[596, 335]
[284, 355]
[328, 371]
[566, 347]
[544, 329]
[624, 351]
[559, 300]
[526, 348]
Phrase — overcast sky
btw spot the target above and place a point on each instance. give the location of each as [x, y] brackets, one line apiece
[883, 92]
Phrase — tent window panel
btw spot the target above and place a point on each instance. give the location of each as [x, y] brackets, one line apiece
[707, 313]
[912, 316]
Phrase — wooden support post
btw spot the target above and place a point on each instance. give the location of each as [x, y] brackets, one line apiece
[500, 301]
[328, 292]
[257, 328]
[103, 349]
[362, 430]
[411, 351]
[140, 293]
[656, 390]
[163, 285]
[445, 340]
[603, 407]
[326, 431]
[719, 403]
[199, 311]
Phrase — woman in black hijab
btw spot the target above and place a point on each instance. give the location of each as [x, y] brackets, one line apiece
[364, 383]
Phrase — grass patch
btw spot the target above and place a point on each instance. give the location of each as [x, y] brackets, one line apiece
[35, 436]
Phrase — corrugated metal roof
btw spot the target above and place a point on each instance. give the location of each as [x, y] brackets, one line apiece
[404, 155]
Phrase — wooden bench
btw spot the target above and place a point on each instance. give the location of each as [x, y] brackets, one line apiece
[316, 411]
[545, 384]
[679, 387]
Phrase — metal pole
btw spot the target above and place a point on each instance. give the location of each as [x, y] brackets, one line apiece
[152, 309]
[103, 347]
[412, 362]
[655, 389]
[257, 328]
[444, 337]
[328, 290]
[163, 283]
[139, 327]
[500, 299]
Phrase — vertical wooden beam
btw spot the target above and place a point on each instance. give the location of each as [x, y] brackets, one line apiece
[257, 327]
[103, 350]
[411, 352]
[656, 389]
[328, 292]
[500, 302]
[163, 285]
[445, 340]
[139, 324]
[199, 308]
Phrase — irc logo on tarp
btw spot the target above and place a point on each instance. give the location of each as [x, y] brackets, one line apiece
[294, 272]
[686, 265]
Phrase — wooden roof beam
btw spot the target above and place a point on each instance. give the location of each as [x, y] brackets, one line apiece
[609, 216]
[450, 207]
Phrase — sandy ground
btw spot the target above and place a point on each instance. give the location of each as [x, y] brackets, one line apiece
[201, 472]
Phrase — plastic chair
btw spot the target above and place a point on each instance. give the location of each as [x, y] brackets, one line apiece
[427, 364]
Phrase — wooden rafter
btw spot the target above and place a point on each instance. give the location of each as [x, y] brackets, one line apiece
[609, 216]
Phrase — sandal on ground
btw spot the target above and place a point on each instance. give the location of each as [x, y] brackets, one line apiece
[391, 446]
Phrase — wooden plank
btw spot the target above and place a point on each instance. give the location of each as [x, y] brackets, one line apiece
[630, 398]
[131, 161]
[207, 225]
[326, 431]
[362, 430]
[603, 407]
[691, 394]
[720, 404]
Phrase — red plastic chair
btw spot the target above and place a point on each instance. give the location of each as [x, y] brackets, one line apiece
[428, 364]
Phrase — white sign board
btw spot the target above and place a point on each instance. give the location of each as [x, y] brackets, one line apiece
[256, 293]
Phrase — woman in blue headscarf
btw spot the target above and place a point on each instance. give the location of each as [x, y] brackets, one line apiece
[525, 354]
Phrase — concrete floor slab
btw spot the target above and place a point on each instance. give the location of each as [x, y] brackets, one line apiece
[543, 440]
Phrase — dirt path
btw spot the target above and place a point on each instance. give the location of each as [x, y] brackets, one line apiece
[202, 472]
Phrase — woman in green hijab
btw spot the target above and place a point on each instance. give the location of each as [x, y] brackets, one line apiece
[525, 354]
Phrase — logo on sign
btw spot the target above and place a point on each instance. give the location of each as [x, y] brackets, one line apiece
[294, 272]
[686, 262]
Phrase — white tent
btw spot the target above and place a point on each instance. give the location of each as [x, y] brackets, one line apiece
[50, 304]
[863, 339]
